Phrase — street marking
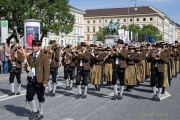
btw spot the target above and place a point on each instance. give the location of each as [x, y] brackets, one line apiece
[10, 97]
[67, 119]
[166, 95]
[7, 97]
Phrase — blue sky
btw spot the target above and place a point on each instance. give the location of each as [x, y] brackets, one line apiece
[170, 7]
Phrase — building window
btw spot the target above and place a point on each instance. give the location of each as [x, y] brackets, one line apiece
[88, 37]
[99, 21]
[144, 19]
[124, 20]
[131, 20]
[94, 21]
[151, 19]
[118, 20]
[88, 21]
[105, 21]
[88, 29]
[99, 28]
[94, 29]
[137, 19]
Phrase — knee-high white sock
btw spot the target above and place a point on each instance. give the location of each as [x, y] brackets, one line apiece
[159, 92]
[154, 90]
[12, 87]
[41, 108]
[49, 86]
[33, 106]
[71, 83]
[54, 87]
[19, 87]
[67, 82]
[122, 90]
[115, 89]
[85, 90]
[79, 89]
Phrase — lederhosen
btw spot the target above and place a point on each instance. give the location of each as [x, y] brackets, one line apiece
[15, 72]
[118, 73]
[33, 87]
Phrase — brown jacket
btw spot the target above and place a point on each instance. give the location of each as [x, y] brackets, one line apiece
[42, 67]
[138, 58]
[85, 57]
[160, 62]
[122, 58]
[55, 59]
[20, 58]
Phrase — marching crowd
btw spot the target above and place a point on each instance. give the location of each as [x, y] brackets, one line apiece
[127, 64]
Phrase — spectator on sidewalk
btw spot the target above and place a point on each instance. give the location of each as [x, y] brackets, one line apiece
[4, 54]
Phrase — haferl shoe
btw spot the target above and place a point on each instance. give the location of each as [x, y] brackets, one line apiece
[49, 93]
[119, 97]
[39, 117]
[114, 97]
[154, 97]
[68, 88]
[78, 96]
[33, 116]
[53, 94]
[11, 94]
[84, 96]
[18, 93]
[158, 99]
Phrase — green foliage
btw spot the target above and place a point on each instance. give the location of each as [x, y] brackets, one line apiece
[124, 27]
[55, 15]
[135, 29]
[151, 30]
[101, 34]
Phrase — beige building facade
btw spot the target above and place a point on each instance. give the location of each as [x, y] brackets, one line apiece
[98, 18]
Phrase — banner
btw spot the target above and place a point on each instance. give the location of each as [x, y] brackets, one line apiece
[147, 39]
[4, 31]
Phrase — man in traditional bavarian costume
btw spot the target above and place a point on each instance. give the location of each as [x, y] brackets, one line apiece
[148, 63]
[68, 61]
[83, 70]
[119, 55]
[16, 59]
[54, 65]
[38, 68]
[158, 60]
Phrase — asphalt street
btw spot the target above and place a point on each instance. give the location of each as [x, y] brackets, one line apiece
[136, 105]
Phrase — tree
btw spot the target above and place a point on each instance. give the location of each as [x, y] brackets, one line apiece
[134, 29]
[150, 30]
[124, 27]
[55, 15]
[101, 34]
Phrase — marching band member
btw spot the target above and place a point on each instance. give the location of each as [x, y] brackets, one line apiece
[158, 58]
[97, 71]
[119, 55]
[83, 70]
[54, 65]
[108, 67]
[16, 59]
[38, 68]
[69, 63]
[139, 66]
[130, 77]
